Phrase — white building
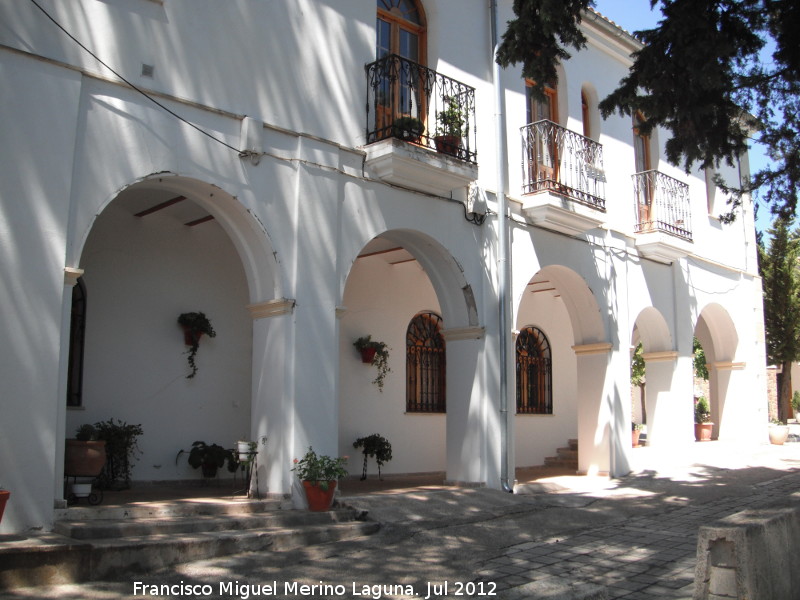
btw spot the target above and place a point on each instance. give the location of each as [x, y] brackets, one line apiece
[251, 174]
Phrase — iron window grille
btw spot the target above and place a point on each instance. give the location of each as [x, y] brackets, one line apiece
[534, 373]
[426, 365]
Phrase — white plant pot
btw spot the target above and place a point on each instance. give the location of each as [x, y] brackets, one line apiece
[81, 490]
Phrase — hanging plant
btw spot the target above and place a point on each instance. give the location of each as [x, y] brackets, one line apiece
[194, 325]
[374, 353]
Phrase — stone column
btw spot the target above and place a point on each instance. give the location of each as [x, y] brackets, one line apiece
[468, 432]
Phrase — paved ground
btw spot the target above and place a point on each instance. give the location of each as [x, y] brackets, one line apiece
[635, 537]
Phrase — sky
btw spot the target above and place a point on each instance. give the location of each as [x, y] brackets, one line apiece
[635, 15]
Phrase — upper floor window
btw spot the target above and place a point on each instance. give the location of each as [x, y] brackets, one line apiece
[425, 365]
[401, 29]
[641, 145]
[586, 117]
[542, 108]
[534, 373]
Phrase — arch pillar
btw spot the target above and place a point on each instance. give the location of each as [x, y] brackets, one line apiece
[594, 409]
[468, 438]
[271, 412]
[734, 410]
[669, 406]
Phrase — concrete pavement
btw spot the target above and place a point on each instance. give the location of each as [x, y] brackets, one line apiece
[562, 537]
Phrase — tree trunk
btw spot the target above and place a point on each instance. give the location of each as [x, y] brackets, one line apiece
[785, 392]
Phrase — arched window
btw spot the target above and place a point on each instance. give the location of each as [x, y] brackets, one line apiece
[534, 373]
[425, 365]
[401, 28]
[77, 336]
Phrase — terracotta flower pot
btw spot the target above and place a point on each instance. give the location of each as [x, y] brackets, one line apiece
[635, 438]
[4, 496]
[84, 459]
[448, 144]
[702, 432]
[319, 499]
[368, 355]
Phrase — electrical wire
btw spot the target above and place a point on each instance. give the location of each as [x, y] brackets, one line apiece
[133, 86]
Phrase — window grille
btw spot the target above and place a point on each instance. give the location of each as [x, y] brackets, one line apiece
[425, 365]
[534, 373]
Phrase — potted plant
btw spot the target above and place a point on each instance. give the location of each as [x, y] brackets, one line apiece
[374, 353]
[121, 452]
[320, 475]
[210, 458]
[702, 420]
[85, 455]
[377, 446]
[194, 325]
[4, 496]
[796, 404]
[636, 429]
[245, 450]
[778, 432]
[449, 127]
[408, 129]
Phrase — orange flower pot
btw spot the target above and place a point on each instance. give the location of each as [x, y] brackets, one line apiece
[319, 499]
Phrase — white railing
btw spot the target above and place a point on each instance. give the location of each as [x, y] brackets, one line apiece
[662, 204]
[558, 160]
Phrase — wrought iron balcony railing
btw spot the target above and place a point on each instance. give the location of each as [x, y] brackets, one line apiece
[559, 160]
[411, 102]
[662, 204]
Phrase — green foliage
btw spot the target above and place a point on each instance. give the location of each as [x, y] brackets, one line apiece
[195, 324]
[407, 128]
[538, 36]
[86, 433]
[796, 401]
[699, 360]
[700, 75]
[380, 361]
[320, 469]
[377, 446]
[702, 411]
[638, 366]
[121, 450]
[450, 121]
[210, 457]
[781, 283]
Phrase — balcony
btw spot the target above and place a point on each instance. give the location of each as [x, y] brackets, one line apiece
[563, 178]
[663, 216]
[420, 126]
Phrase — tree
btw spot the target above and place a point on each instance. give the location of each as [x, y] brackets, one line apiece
[778, 266]
[699, 74]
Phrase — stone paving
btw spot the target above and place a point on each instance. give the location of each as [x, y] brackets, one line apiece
[651, 556]
[634, 537]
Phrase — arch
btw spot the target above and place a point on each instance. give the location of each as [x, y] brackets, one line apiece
[247, 233]
[579, 301]
[716, 332]
[652, 330]
[454, 293]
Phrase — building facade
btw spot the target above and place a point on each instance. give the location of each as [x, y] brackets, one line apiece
[309, 172]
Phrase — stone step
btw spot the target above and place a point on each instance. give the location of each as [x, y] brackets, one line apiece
[96, 529]
[567, 454]
[97, 548]
[573, 444]
[179, 508]
[555, 461]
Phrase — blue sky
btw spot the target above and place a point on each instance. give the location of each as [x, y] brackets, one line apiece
[633, 15]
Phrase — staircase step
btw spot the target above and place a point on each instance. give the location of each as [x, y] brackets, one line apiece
[573, 444]
[152, 510]
[567, 454]
[97, 529]
[97, 543]
[555, 461]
